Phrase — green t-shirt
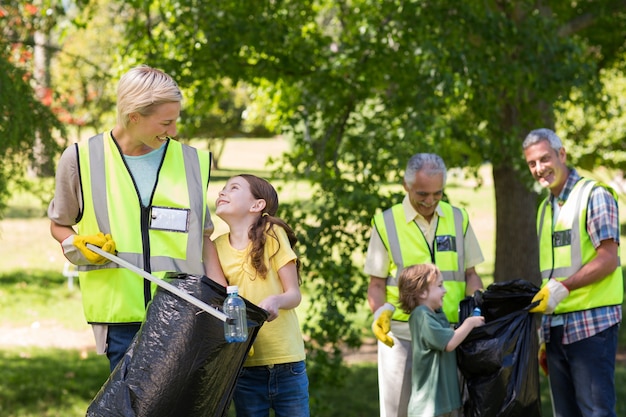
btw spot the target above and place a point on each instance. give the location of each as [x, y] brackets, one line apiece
[435, 384]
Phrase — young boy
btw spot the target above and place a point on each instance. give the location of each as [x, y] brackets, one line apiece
[435, 385]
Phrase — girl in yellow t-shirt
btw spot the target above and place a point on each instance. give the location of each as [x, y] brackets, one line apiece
[257, 255]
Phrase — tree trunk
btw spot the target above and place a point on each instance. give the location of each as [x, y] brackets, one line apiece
[42, 165]
[216, 146]
[517, 253]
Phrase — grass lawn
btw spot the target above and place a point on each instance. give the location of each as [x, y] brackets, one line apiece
[37, 382]
[60, 379]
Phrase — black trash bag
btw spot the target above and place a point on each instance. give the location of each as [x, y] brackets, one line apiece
[179, 363]
[498, 361]
[500, 299]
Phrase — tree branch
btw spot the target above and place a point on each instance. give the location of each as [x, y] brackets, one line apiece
[576, 25]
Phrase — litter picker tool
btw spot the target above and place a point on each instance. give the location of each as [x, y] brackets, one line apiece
[161, 283]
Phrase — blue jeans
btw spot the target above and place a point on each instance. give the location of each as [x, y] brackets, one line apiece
[283, 387]
[582, 374]
[119, 338]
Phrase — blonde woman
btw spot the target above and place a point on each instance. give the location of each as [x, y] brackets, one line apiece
[134, 191]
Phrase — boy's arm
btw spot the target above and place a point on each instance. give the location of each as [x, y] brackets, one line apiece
[463, 330]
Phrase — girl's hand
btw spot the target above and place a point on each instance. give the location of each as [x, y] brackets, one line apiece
[291, 296]
[270, 304]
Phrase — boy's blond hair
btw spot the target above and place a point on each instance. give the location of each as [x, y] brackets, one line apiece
[413, 281]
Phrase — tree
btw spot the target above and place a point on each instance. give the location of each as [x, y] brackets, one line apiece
[222, 114]
[24, 120]
[85, 66]
[364, 84]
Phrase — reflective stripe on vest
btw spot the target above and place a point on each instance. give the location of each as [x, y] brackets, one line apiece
[112, 205]
[393, 229]
[566, 246]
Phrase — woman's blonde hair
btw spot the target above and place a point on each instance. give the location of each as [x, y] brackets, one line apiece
[413, 281]
[141, 90]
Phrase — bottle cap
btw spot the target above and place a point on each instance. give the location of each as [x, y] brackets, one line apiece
[231, 289]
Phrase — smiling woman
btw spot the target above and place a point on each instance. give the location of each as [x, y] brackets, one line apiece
[137, 163]
[147, 130]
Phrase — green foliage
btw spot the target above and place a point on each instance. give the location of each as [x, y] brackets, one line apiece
[28, 125]
[598, 137]
[228, 115]
[334, 231]
[85, 67]
[24, 121]
[74, 49]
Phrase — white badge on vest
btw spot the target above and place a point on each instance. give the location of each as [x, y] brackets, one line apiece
[169, 219]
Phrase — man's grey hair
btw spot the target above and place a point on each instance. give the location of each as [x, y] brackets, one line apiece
[431, 163]
[538, 135]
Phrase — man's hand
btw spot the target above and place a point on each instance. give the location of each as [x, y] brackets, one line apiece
[382, 323]
[75, 249]
[549, 297]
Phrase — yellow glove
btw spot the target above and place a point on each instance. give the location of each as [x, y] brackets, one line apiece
[549, 297]
[75, 248]
[543, 358]
[382, 323]
[251, 351]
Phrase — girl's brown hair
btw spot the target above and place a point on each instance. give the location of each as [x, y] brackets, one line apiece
[413, 281]
[264, 226]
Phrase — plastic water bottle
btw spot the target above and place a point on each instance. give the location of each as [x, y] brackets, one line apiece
[236, 326]
[476, 311]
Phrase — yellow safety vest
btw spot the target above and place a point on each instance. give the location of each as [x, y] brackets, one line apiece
[565, 247]
[407, 246]
[113, 294]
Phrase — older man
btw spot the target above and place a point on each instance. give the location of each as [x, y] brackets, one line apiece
[582, 292]
[422, 229]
